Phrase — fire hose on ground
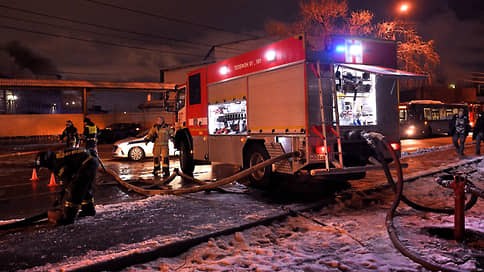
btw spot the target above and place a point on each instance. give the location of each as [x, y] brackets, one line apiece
[203, 186]
[379, 143]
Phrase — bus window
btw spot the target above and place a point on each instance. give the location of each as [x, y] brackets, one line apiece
[435, 114]
[456, 110]
[449, 114]
[443, 116]
[403, 114]
[427, 114]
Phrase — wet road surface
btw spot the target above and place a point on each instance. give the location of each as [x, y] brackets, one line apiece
[129, 222]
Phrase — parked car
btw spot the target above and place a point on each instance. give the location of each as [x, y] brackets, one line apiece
[136, 149]
[118, 131]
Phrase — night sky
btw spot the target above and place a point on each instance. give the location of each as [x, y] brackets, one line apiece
[456, 26]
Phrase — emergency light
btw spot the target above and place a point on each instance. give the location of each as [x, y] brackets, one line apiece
[340, 49]
[224, 70]
[271, 55]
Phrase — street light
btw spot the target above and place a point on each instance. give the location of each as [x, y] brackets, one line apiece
[404, 7]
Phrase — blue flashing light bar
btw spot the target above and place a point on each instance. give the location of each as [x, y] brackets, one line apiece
[340, 48]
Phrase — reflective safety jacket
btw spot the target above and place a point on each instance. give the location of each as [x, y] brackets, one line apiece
[66, 164]
[90, 132]
[160, 134]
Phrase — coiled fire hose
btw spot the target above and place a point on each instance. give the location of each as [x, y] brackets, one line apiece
[378, 142]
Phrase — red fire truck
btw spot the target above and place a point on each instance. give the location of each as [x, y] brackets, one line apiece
[286, 97]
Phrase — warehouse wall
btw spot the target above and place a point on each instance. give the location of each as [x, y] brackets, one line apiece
[14, 125]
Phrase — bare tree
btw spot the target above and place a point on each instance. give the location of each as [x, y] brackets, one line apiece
[320, 19]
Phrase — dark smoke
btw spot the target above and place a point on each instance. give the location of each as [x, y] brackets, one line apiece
[26, 59]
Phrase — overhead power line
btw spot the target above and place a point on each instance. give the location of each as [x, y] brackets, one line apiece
[165, 52]
[72, 28]
[166, 18]
[116, 29]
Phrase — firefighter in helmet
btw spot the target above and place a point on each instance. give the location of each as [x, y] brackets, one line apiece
[90, 135]
[77, 169]
[70, 135]
[160, 133]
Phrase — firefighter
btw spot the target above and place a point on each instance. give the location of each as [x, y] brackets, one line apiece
[70, 135]
[77, 170]
[160, 133]
[90, 135]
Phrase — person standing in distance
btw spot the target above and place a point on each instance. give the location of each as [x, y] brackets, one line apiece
[159, 134]
[70, 135]
[459, 129]
[90, 135]
[478, 133]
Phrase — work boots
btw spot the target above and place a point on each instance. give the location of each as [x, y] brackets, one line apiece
[69, 216]
[155, 170]
[166, 172]
[87, 209]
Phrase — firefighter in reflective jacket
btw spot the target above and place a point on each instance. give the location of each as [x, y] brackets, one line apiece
[77, 169]
[90, 135]
[160, 133]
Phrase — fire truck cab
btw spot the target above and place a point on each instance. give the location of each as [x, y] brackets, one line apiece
[286, 97]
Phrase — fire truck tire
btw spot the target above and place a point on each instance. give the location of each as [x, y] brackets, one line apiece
[187, 164]
[255, 154]
[136, 153]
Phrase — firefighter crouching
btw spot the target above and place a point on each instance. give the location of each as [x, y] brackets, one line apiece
[90, 135]
[77, 169]
[70, 135]
[160, 133]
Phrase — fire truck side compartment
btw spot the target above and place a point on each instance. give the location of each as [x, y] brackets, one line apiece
[276, 101]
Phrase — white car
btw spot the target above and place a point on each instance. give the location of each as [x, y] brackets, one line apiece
[136, 149]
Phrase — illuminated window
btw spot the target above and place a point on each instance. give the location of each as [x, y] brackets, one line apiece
[356, 97]
[435, 114]
[427, 114]
[403, 114]
[449, 114]
[228, 118]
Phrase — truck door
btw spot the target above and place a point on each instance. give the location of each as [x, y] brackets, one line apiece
[197, 113]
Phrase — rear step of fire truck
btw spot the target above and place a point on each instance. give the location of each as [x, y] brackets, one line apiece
[339, 163]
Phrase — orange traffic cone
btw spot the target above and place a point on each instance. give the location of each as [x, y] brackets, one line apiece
[52, 180]
[34, 176]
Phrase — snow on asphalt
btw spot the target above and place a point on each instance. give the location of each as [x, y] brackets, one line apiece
[353, 238]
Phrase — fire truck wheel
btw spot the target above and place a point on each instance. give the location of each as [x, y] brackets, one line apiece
[254, 155]
[187, 163]
[136, 154]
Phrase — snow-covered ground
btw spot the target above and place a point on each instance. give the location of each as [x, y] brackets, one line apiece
[353, 238]
[349, 235]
